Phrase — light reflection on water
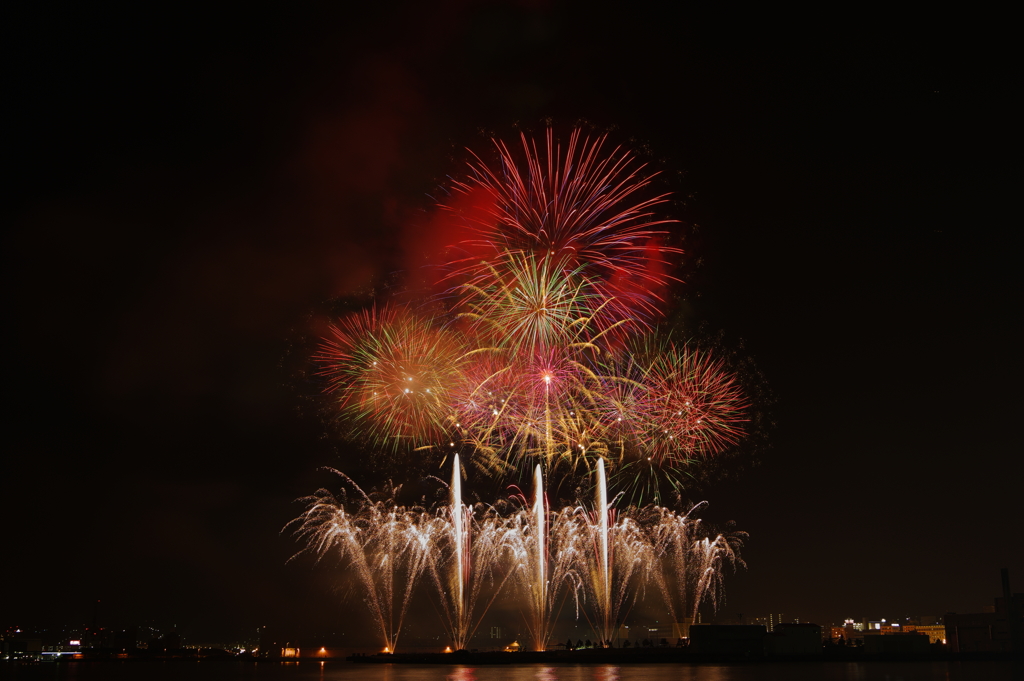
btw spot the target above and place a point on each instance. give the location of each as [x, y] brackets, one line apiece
[855, 671]
[606, 673]
[462, 674]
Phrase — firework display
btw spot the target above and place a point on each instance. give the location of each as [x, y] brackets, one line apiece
[542, 359]
[543, 351]
[588, 554]
[581, 207]
[391, 371]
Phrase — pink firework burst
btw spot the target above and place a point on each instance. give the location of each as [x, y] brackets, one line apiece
[519, 405]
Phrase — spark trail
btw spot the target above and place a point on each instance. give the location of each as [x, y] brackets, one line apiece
[600, 559]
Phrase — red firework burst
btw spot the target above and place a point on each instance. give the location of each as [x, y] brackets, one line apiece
[692, 406]
[538, 355]
[577, 206]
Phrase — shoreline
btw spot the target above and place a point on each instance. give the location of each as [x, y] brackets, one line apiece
[576, 657]
[671, 656]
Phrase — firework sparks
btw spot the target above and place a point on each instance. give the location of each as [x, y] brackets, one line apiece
[691, 406]
[580, 206]
[390, 372]
[383, 544]
[601, 559]
[543, 360]
[531, 361]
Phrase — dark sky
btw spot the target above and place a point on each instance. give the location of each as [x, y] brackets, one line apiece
[187, 189]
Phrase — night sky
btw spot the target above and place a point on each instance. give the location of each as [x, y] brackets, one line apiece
[187, 191]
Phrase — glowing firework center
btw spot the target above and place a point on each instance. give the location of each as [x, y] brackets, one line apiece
[539, 360]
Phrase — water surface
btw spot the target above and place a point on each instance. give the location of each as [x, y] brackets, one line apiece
[148, 670]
